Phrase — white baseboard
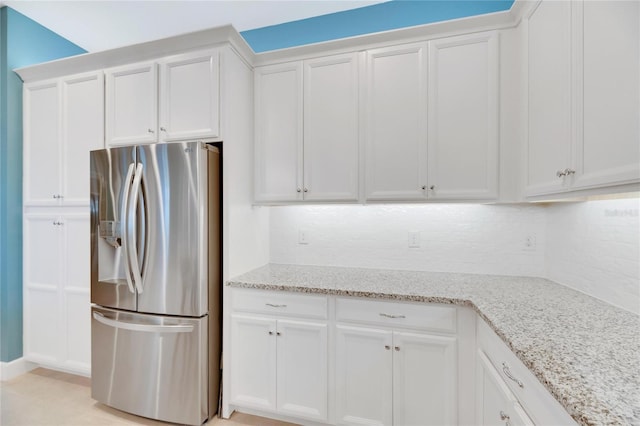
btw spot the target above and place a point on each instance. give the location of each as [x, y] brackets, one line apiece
[15, 368]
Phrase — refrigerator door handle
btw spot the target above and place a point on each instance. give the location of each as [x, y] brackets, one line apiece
[125, 245]
[147, 328]
[131, 233]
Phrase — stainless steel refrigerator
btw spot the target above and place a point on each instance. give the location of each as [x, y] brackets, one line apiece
[156, 280]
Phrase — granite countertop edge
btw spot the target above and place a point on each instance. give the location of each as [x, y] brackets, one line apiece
[570, 403]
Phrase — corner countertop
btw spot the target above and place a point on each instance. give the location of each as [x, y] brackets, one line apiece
[584, 351]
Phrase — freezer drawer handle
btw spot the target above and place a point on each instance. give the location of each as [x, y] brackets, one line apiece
[275, 306]
[179, 328]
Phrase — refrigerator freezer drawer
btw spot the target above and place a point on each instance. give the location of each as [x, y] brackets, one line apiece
[152, 366]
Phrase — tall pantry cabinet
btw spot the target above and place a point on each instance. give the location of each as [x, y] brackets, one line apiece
[63, 121]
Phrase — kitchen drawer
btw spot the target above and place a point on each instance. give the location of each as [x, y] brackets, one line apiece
[396, 314]
[280, 303]
[541, 406]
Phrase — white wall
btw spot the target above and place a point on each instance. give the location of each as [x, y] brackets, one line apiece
[454, 237]
[590, 246]
[594, 248]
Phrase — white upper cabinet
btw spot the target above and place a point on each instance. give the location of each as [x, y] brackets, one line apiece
[549, 96]
[42, 171]
[278, 127]
[463, 117]
[189, 94]
[186, 102]
[307, 130]
[131, 104]
[583, 130]
[62, 123]
[331, 128]
[610, 148]
[395, 129]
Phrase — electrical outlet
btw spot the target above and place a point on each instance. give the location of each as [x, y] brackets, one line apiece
[414, 239]
[303, 236]
[530, 243]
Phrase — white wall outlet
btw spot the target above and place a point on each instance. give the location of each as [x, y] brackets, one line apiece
[530, 243]
[414, 239]
[303, 236]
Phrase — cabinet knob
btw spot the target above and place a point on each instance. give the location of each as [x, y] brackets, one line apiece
[387, 347]
[570, 171]
[298, 190]
[150, 131]
[306, 190]
[163, 129]
[278, 333]
[271, 333]
[504, 416]
[397, 348]
[424, 187]
[432, 187]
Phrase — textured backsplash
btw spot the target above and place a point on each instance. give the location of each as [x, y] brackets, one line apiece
[590, 246]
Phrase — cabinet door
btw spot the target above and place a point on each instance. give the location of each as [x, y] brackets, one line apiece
[253, 366]
[302, 369]
[42, 171]
[395, 125]
[278, 127]
[131, 104]
[424, 379]
[549, 96]
[75, 292]
[190, 96]
[496, 405]
[42, 273]
[82, 131]
[463, 117]
[363, 376]
[331, 128]
[610, 148]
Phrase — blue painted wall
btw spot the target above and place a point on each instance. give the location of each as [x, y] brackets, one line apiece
[22, 42]
[379, 17]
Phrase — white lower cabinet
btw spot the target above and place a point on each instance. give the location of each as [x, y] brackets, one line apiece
[496, 404]
[57, 327]
[507, 393]
[279, 365]
[386, 377]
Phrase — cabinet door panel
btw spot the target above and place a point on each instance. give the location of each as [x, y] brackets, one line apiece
[363, 376]
[278, 153]
[77, 252]
[463, 117]
[610, 151]
[189, 97]
[77, 329]
[82, 131]
[42, 273]
[331, 128]
[549, 96]
[395, 129]
[131, 104]
[253, 367]
[302, 369]
[424, 379]
[42, 173]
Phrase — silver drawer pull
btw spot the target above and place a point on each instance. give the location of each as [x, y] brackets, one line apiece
[391, 316]
[275, 306]
[507, 372]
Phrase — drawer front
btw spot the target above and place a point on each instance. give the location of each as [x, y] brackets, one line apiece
[394, 314]
[534, 397]
[279, 303]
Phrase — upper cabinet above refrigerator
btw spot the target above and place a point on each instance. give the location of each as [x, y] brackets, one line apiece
[175, 98]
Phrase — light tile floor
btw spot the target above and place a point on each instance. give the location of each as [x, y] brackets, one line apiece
[46, 397]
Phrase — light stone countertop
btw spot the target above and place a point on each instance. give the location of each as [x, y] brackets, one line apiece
[584, 351]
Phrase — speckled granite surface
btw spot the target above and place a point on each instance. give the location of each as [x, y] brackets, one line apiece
[584, 351]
